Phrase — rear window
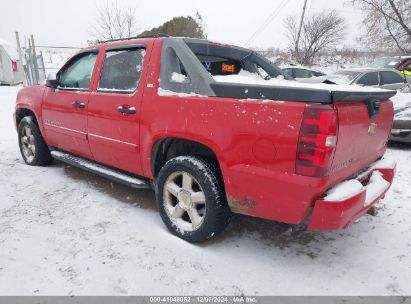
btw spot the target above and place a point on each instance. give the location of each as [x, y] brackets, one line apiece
[220, 66]
[225, 60]
[391, 78]
[387, 62]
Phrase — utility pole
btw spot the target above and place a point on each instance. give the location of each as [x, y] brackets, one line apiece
[21, 58]
[36, 66]
[299, 29]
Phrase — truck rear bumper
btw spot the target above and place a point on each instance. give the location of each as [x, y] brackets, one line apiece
[349, 200]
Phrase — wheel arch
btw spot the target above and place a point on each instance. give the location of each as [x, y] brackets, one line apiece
[167, 148]
[24, 112]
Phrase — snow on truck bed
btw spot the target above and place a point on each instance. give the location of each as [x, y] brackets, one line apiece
[245, 77]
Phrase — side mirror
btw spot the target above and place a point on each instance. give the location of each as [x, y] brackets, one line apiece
[52, 81]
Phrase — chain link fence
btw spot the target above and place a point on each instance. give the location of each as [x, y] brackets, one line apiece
[39, 60]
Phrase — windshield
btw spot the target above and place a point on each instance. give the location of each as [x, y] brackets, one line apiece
[343, 77]
[386, 62]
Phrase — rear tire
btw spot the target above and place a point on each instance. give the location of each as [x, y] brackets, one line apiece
[33, 149]
[191, 199]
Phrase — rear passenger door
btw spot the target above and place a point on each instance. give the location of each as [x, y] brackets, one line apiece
[114, 115]
[391, 80]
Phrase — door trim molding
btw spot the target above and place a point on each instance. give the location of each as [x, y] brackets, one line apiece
[135, 146]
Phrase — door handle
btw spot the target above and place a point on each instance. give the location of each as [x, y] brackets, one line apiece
[125, 109]
[78, 105]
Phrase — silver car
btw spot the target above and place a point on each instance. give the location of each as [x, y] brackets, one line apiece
[379, 78]
[298, 72]
[401, 129]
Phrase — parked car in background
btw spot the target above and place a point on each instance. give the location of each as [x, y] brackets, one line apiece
[382, 78]
[301, 72]
[401, 129]
[11, 70]
[400, 63]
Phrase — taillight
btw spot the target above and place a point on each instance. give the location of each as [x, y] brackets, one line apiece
[317, 140]
[14, 66]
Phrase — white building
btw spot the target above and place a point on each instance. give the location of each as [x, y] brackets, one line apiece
[11, 69]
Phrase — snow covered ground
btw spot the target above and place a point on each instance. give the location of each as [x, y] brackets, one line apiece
[64, 231]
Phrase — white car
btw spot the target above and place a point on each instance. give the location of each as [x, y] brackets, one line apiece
[298, 72]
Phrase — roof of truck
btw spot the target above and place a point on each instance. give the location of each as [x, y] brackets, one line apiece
[132, 40]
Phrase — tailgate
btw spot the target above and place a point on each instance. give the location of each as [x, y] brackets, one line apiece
[364, 126]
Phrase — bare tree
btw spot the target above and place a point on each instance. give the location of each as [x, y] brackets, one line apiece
[387, 23]
[319, 31]
[113, 22]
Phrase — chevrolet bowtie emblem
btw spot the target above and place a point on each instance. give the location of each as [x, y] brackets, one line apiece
[372, 128]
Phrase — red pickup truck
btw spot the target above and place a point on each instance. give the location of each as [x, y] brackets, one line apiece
[175, 115]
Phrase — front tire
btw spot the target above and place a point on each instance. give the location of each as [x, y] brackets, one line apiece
[33, 149]
[191, 199]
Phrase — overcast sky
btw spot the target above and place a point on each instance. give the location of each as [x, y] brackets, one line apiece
[57, 22]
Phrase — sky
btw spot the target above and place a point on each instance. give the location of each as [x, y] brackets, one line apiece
[69, 22]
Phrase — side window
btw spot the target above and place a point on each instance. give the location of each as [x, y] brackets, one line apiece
[122, 70]
[391, 78]
[263, 73]
[301, 73]
[77, 75]
[178, 73]
[174, 76]
[288, 72]
[369, 79]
